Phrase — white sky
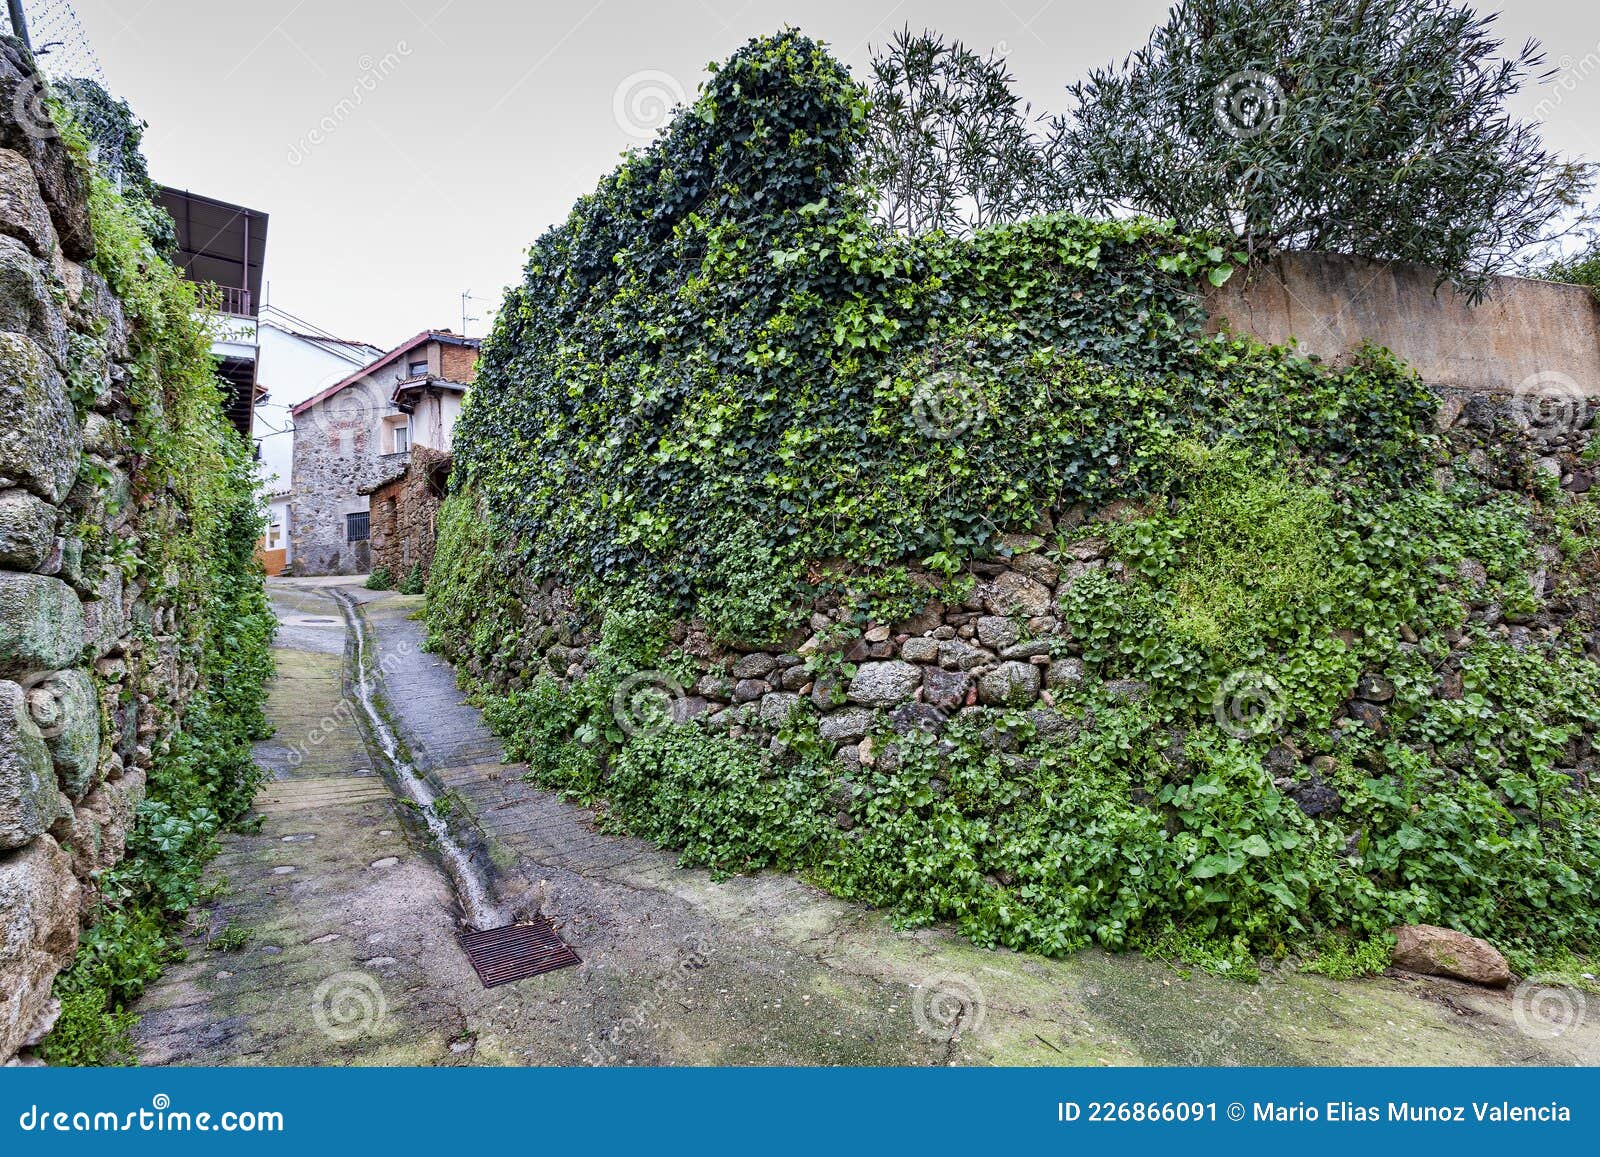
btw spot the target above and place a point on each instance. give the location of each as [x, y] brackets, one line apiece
[494, 115]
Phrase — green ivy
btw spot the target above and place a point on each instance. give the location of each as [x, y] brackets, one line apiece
[199, 523]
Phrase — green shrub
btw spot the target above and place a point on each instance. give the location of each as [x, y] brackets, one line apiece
[415, 581]
[380, 579]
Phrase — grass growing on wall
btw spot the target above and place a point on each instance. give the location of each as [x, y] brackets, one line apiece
[195, 550]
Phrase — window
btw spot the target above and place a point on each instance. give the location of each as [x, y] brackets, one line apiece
[275, 536]
[402, 437]
[417, 369]
[357, 527]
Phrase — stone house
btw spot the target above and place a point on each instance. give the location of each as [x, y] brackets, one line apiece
[358, 436]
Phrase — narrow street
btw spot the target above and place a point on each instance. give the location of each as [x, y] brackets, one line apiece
[332, 930]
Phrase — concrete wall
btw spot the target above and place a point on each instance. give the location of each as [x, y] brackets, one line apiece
[1535, 332]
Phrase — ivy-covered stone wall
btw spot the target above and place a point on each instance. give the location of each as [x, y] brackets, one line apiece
[116, 573]
[976, 579]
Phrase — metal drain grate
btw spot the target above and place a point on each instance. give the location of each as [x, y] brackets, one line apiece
[517, 951]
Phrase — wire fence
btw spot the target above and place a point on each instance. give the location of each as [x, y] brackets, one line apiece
[68, 62]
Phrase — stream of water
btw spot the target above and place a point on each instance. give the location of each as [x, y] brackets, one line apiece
[472, 886]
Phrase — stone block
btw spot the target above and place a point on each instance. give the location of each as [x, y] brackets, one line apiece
[38, 935]
[27, 530]
[28, 795]
[41, 624]
[1010, 684]
[884, 684]
[40, 442]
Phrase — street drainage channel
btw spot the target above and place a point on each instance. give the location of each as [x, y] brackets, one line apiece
[500, 949]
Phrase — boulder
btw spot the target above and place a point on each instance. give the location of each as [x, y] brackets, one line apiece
[1015, 594]
[1011, 684]
[1064, 673]
[28, 794]
[846, 726]
[755, 665]
[920, 650]
[945, 690]
[776, 707]
[26, 306]
[40, 442]
[27, 530]
[38, 935]
[884, 684]
[1435, 951]
[996, 631]
[23, 214]
[41, 623]
[67, 712]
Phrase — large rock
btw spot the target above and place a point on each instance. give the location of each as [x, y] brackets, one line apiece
[41, 624]
[40, 442]
[844, 726]
[27, 530]
[23, 213]
[28, 794]
[1435, 951]
[97, 831]
[997, 631]
[1015, 594]
[945, 690]
[777, 707]
[26, 306]
[1010, 684]
[67, 711]
[61, 180]
[884, 684]
[38, 935]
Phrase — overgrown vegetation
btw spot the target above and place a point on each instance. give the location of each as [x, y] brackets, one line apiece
[195, 482]
[723, 392]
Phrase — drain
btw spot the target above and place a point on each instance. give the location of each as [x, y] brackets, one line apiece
[516, 952]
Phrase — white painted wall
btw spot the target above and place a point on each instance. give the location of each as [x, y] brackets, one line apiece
[292, 369]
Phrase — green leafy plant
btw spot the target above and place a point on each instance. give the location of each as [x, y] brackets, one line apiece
[380, 579]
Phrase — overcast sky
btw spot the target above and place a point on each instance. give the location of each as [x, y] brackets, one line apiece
[453, 132]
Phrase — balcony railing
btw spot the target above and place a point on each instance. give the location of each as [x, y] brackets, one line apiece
[227, 299]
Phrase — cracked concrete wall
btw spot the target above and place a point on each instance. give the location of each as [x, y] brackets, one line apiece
[1527, 333]
[91, 673]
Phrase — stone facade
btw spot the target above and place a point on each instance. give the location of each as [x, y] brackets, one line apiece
[405, 510]
[91, 673]
[359, 435]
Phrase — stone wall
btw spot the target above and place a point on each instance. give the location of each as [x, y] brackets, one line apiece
[405, 510]
[337, 451]
[90, 669]
[1526, 331]
[1004, 646]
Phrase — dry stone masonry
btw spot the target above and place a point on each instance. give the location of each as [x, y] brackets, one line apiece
[91, 674]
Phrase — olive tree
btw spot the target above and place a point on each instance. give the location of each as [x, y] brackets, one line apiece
[1361, 126]
[950, 145]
